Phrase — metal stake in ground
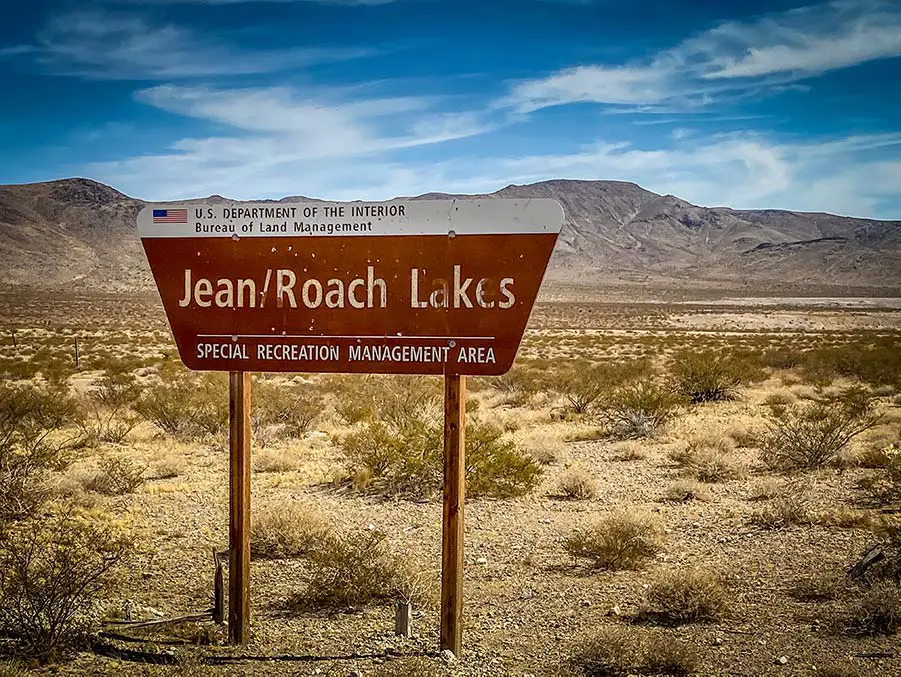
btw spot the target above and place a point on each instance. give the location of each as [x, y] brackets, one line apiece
[239, 507]
[454, 495]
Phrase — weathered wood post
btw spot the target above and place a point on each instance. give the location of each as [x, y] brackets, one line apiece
[454, 496]
[239, 507]
[76, 351]
[218, 590]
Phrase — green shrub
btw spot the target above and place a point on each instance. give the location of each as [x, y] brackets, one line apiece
[51, 571]
[116, 476]
[813, 435]
[390, 399]
[685, 596]
[356, 569]
[877, 363]
[583, 384]
[406, 458]
[706, 377]
[31, 446]
[188, 407]
[638, 409]
[622, 540]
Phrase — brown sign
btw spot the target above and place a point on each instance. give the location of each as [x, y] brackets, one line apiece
[417, 287]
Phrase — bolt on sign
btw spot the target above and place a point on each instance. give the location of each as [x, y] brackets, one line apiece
[407, 286]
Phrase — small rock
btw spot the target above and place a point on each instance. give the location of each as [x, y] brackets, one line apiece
[482, 560]
[448, 656]
[586, 602]
[355, 673]
[614, 611]
[782, 660]
[717, 641]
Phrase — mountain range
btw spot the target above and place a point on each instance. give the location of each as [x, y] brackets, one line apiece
[78, 234]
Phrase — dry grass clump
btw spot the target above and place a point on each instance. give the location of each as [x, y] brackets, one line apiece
[631, 450]
[622, 540]
[275, 460]
[357, 568]
[543, 447]
[877, 611]
[620, 651]
[167, 467]
[791, 505]
[819, 588]
[709, 459]
[805, 437]
[289, 529]
[685, 490]
[576, 483]
[116, 476]
[682, 596]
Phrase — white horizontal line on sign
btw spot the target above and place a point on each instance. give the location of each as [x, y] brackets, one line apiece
[371, 336]
[353, 219]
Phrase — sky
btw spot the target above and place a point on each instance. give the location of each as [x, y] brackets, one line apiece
[748, 104]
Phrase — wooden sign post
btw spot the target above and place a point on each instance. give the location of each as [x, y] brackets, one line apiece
[452, 514]
[439, 287]
[239, 507]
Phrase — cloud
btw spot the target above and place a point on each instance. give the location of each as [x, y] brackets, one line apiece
[104, 45]
[733, 59]
[281, 139]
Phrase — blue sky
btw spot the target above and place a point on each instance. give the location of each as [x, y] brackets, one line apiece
[748, 104]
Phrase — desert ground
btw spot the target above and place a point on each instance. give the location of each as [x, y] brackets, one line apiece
[661, 486]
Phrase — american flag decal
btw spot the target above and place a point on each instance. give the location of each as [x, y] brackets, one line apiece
[170, 215]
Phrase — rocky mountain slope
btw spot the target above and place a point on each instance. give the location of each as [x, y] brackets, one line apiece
[77, 233]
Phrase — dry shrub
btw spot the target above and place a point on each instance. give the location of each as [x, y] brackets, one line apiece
[877, 611]
[282, 412]
[583, 384]
[289, 529]
[116, 476]
[357, 568]
[389, 399]
[31, 446]
[884, 487]
[819, 588]
[766, 488]
[619, 651]
[576, 483]
[638, 410]
[804, 437]
[405, 457]
[686, 596]
[874, 456]
[52, 570]
[790, 506]
[275, 460]
[845, 518]
[416, 666]
[686, 490]
[188, 407]
[877, 362]
[622, 540]
[706, 377]
[105, 413]
[519, 385]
